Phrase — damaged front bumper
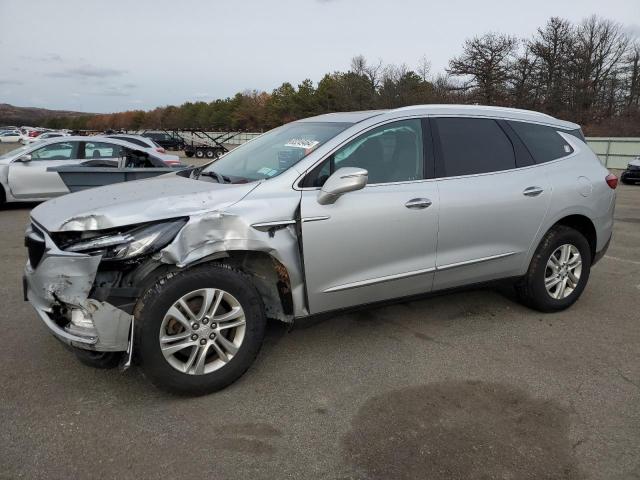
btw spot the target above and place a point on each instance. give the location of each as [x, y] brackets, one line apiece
[58, 284]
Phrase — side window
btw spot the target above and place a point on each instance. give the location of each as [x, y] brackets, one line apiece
[472, 145]
[544, 143]
[390, 153]
[56, 151]
[102, 150]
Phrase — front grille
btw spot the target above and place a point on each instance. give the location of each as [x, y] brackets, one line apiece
[34, 241]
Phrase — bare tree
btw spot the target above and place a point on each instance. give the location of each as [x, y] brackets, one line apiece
[632, 71]
[486, 62]
[424, 68]
[597, 54]
[552, 48]
[523, 82]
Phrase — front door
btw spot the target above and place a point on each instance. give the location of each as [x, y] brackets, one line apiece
[379, 242]
[31, 180]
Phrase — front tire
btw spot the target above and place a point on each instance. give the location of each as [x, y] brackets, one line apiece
[101, 360]
[199, 330]
[558, 272]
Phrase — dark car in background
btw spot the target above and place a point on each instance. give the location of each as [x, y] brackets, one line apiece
[632, 173]
[165, 140]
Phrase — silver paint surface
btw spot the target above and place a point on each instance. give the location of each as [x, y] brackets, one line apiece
[368, 245]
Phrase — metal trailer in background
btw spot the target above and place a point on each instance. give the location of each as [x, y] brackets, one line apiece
[206, 145]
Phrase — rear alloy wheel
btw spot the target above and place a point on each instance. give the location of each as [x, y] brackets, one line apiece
[199, 330]
[558, 272]
[563, 271]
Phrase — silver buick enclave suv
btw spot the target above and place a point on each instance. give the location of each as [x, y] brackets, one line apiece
[179, 273]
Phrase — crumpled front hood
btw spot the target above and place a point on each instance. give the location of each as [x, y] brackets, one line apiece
[128, 203]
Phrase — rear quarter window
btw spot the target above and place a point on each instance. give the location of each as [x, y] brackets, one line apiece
[544, 143]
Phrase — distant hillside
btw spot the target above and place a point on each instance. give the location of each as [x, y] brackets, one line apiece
[31, 116]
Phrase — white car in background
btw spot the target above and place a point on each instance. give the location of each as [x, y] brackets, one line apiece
[25, 174]
[42, 136]
[10, 136]
[149, 146]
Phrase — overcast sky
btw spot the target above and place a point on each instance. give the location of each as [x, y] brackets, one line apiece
[104, 56]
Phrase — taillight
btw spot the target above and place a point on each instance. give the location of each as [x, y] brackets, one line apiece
[611, 180]
[160, 150]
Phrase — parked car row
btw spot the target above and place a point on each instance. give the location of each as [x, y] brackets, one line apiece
[26, 173]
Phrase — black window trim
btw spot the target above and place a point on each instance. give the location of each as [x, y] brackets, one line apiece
[427, 152]
[508, 131]
[553, 127]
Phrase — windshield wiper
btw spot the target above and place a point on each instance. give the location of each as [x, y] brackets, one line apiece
[219, 178]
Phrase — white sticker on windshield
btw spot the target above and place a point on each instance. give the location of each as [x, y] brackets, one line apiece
[269, 172]
[301, 143]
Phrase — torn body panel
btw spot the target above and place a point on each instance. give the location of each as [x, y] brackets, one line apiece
[58, 286]
[241, 228]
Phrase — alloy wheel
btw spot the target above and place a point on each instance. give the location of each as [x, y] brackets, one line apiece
[563, 270]
[202, 331]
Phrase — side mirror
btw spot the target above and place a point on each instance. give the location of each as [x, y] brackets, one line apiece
[25, 158]
[346, 179]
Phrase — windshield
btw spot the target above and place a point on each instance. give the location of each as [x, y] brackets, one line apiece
[14, 152]
[276, 151]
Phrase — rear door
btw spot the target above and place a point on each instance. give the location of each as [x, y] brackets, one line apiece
[31, 180]
[493, 199]
[379, 242]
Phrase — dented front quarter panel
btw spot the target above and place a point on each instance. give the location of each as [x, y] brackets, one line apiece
[234, 228]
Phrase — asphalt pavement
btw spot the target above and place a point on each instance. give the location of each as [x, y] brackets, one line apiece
[467, 385]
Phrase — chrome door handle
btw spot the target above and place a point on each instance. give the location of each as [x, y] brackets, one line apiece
[418, 203]
[532, 191]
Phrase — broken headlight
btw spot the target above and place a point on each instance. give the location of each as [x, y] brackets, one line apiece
[132, 243]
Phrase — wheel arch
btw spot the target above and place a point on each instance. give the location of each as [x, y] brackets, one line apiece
[271, 278]
[582, 224]
[269, 275]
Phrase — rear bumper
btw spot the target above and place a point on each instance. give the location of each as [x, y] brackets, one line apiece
[58, 288]
[602, 252]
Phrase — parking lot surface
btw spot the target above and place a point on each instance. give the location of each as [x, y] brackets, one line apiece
[464, 385]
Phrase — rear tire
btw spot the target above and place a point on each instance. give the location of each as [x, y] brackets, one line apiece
[101, 360]
[210, 154]
[554, 284]
[3, 197]
[214, 351]
[199, 153]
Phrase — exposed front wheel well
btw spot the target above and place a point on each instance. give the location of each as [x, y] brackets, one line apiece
[270, 277]
[585, 226]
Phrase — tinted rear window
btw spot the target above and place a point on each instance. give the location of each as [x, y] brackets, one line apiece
[544, 143]
[472, 145]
